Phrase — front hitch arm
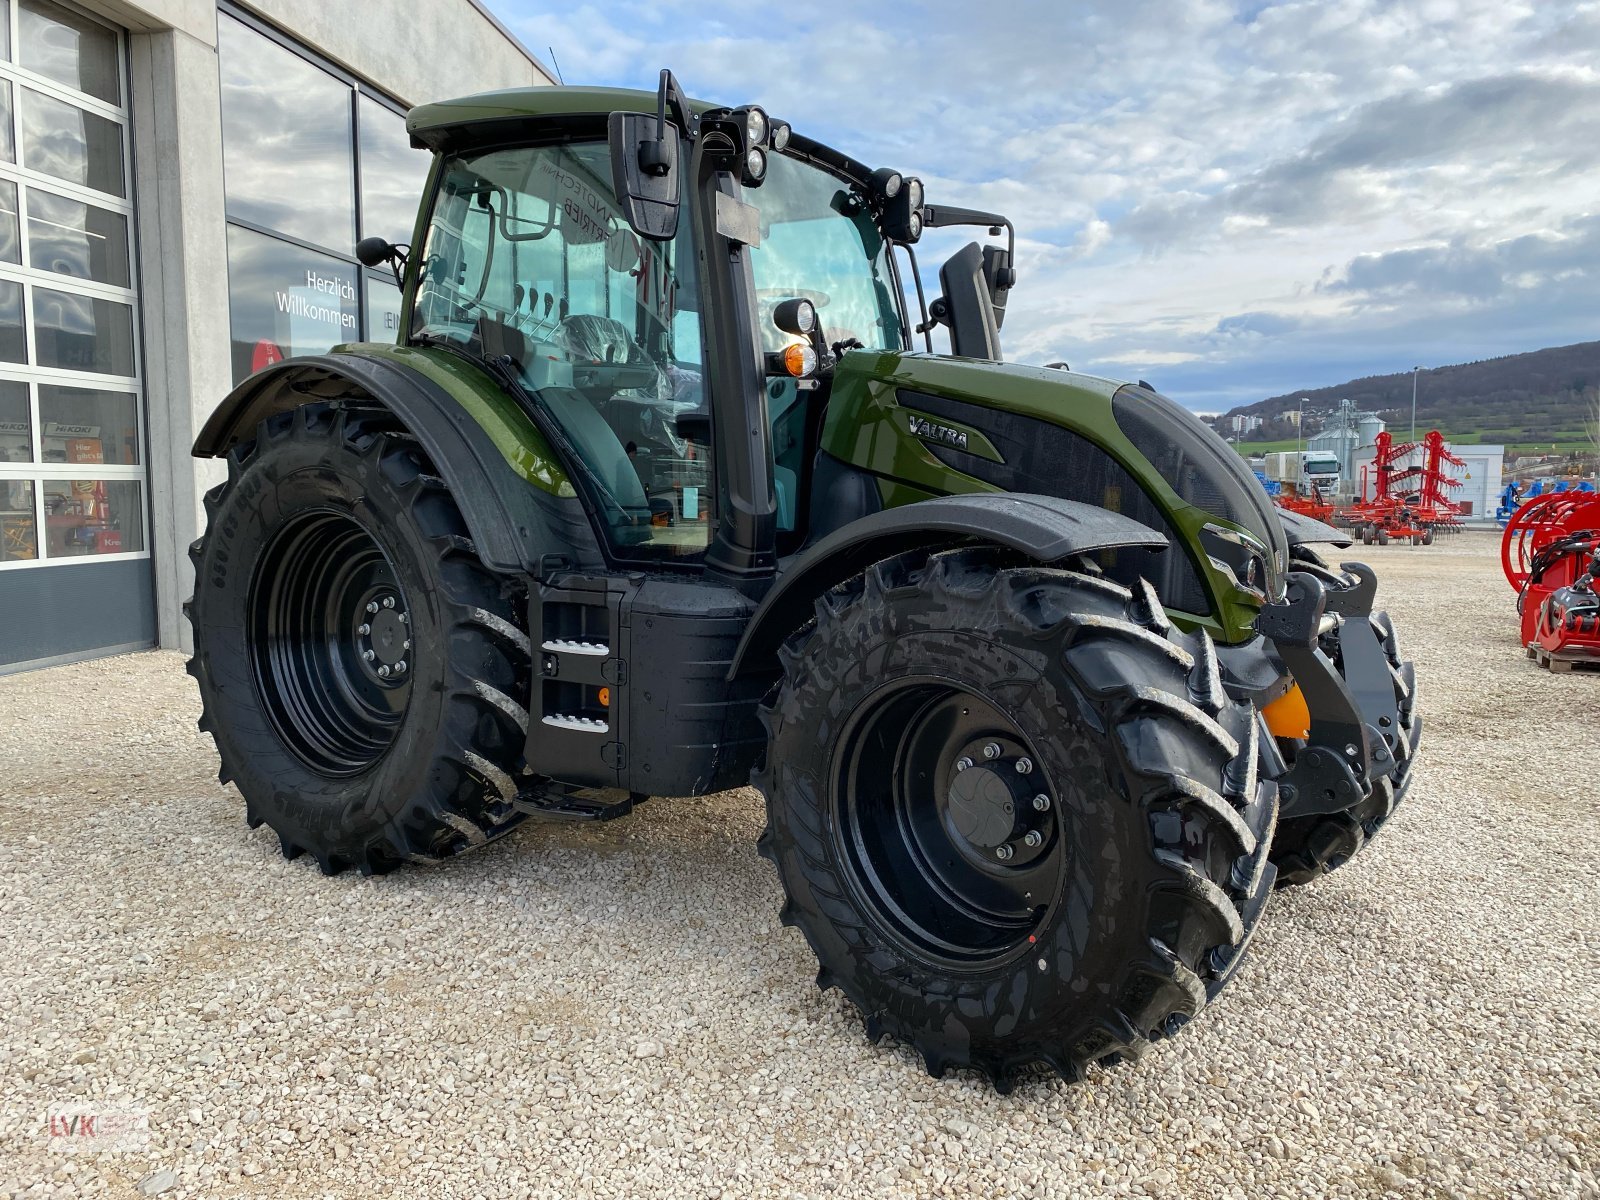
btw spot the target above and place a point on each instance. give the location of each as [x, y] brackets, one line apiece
[1354, 717]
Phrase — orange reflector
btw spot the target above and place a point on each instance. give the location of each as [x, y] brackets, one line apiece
[799, 360]
[605, 697]
[1288, 716]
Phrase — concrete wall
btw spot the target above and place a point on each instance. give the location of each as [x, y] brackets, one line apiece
[178, 190]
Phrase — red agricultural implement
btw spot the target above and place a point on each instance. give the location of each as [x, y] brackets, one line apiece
[1551, 555]
[1314, 504]
[1407, 502]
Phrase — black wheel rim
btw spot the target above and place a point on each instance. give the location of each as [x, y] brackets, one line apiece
[949, 823]
[330, 642]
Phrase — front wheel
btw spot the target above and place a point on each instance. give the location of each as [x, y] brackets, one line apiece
[363, 675]
[1014, 813]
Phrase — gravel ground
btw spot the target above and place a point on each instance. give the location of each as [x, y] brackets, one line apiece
[614, 1009]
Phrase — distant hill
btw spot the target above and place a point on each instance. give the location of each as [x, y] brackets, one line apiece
[1526, 401]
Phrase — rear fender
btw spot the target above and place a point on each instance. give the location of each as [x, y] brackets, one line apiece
[513, 522]
[1043, 528]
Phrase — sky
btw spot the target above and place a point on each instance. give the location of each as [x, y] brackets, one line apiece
[1230, 200]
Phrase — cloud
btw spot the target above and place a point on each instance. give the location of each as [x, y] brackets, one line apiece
[1233, 199]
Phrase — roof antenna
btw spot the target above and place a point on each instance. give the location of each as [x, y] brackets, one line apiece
[554, 62]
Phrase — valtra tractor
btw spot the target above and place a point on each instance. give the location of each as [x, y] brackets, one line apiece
[664, 491]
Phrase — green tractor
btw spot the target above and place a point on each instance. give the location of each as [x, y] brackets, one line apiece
[664, 491]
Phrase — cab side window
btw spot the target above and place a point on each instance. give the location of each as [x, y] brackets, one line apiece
[527, 255]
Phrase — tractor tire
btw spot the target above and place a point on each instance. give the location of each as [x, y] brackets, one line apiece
[1014, 813]
[1307, 848]
[1427, 536]
[363, 675]
[1383, 537]
[1368, 535]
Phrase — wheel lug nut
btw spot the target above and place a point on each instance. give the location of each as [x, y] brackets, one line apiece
[963, 763]
[372, 606]
[992, 750]
[1033, 837]
[388, 601]
[365, 629]
[405, 618]
[383, 672]
[369, 655]
[1024, 766]
[1041, 803]
[400, 667]
[406, 645]
[1004, 852]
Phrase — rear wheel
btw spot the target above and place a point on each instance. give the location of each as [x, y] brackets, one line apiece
[1013, 811]
[362, 674]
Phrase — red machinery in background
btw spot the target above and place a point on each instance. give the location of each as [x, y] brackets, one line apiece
[1407, 502]
[1314, 503]
[1551, 556]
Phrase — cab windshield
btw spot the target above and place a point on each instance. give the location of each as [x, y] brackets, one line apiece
[528, 257]
[819, 242]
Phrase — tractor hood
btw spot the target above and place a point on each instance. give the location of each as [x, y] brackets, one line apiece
[1033, 429]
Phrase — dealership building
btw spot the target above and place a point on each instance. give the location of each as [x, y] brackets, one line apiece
[182, 185]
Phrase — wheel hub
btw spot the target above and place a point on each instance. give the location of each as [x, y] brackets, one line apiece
[983, 808]
[383, 636]
[996, 810]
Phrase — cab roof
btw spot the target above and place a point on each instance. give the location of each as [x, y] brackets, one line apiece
[487, 117]
[431, 125]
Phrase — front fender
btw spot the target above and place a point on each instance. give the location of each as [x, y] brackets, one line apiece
[515, 515]
[1042, 527]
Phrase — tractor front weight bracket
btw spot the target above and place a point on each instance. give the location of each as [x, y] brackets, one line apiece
[1354, 720]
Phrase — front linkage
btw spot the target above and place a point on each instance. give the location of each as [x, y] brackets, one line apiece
[1354, 765]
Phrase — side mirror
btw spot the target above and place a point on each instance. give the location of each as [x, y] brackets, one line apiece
[1000, 277]
[967, 307]
[644, 173]
[375, 251]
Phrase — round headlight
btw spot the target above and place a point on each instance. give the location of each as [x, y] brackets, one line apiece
[914, 226]
[755, 165]
[755, 126]
[886, 182]
[914, 193]
[780, 135]
[797, 317]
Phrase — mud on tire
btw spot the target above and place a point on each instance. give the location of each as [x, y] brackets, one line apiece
[333, 508]
[1161, 824]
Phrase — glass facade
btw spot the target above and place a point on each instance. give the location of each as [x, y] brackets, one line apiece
[72, 458]
[313, 162]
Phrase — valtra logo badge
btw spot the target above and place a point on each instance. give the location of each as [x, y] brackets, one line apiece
[934, 432]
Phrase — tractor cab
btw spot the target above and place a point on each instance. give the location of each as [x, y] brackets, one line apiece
[687, 387]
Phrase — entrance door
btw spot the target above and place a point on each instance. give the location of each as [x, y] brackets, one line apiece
[75, 575]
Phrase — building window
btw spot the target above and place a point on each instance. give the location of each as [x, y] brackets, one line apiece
[72, 457]
[313, 162]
